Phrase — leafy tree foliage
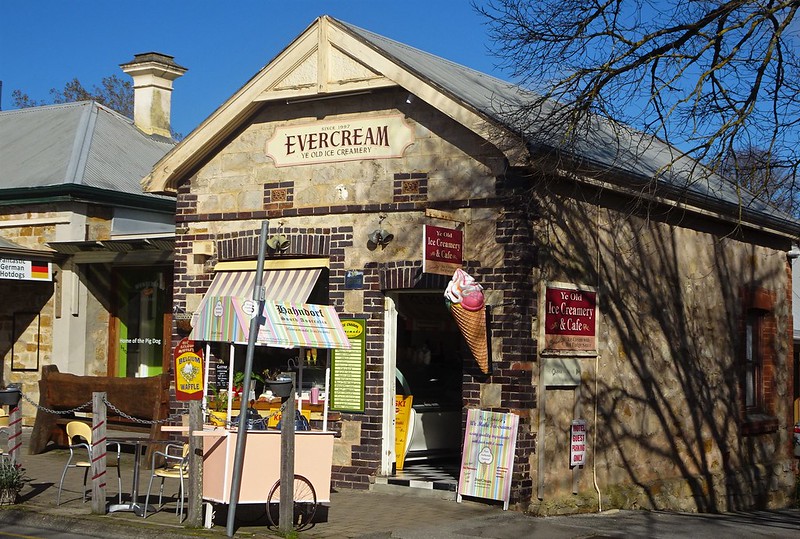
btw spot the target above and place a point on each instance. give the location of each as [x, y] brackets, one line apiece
[717, 79]
[113, 92]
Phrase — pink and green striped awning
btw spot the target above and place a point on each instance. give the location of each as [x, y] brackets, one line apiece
[225, 313]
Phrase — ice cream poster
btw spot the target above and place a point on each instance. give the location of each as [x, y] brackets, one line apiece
[487, 464]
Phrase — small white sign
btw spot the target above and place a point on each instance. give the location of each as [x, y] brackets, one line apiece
[378, 137]
[577, 445]
[25, 270]
[561, 371]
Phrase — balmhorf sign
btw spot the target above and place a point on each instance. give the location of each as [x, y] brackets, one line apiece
[377, 137]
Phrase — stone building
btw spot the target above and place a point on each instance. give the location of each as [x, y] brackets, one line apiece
[86, 254]
[646, 304]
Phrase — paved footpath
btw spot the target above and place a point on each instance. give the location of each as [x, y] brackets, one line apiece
[402, 513]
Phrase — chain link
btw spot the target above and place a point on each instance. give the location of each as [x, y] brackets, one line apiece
[107, 403]
[57, 412]
[228, 423]
[136, 419]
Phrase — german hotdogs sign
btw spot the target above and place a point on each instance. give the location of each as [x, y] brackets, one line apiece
[25, 270]
[378, 137]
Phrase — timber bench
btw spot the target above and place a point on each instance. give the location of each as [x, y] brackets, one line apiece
[143, 398]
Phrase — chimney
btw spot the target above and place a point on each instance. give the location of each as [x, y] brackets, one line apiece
[152, 74]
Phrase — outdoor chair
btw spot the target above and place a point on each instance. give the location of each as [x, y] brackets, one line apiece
[175, 466]
[83, 432]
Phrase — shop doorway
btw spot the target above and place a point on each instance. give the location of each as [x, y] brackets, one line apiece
[139, 326]
[429, 368]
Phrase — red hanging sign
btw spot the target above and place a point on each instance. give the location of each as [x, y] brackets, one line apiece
[188, 371]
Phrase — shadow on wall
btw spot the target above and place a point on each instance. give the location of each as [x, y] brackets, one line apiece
[25, 322]
[669, 389]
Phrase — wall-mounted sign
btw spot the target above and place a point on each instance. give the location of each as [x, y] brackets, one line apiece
[221, 376]
[442, 249]
[25, 270]
[378, 137]
[188, 371]
[570, 318]
[354, 280]
[561, 371]
[487, 463]
[577, 445]
[348, 368]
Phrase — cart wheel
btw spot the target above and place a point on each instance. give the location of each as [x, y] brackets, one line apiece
[305, 503]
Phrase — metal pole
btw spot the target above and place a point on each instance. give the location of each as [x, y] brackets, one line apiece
[286, 508]
[238, 459]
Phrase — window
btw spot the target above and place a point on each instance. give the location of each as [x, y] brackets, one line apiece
[758, 357]
[753, 394]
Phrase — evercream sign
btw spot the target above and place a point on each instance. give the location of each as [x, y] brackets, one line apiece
[25, 270]
[379, 137]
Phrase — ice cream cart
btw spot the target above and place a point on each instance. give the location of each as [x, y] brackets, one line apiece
[226, 319]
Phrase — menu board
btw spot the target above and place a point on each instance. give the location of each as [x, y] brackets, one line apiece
[487, 463]
[348, 369]
[221, 376]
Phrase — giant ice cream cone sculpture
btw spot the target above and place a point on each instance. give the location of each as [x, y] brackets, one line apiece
[467, 305]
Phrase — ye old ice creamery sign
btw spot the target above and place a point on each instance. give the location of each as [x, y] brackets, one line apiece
[349, 140]
[570, 318]
[442, 249]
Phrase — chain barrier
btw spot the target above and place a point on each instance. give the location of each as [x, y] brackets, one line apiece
[56, 412]
[83, 406]
[136, 419]
[263, 421]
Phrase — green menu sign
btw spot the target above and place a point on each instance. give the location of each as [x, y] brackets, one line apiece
[348, 368]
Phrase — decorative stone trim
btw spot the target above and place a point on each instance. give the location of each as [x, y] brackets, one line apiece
[278, 196]
[410, 187]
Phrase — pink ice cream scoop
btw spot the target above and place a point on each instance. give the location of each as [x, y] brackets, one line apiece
[465, 290]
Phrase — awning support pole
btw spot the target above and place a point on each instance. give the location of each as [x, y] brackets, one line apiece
[258, 298]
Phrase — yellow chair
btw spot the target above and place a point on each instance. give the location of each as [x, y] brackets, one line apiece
[83, 432]
[3, 428]
[175, 466]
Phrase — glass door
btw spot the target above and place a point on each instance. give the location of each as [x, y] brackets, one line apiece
[142, 302]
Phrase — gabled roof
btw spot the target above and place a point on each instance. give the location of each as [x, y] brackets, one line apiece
[77, 149]
[333, 57]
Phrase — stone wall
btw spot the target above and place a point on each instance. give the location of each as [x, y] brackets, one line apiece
[665, 389]
[670, 430]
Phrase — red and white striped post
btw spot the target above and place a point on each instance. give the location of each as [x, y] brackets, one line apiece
[15, 434]
[99, 453]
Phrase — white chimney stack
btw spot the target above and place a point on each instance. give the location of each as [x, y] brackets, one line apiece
[152, 74]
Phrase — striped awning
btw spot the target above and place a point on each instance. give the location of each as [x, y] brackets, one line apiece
[216, 318]
[292, 285]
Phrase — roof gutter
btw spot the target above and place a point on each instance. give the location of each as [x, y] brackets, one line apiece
[82, 193]
[699, 203]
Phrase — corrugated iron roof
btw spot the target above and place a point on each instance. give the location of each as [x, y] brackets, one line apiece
[607, 145]
[82, 143]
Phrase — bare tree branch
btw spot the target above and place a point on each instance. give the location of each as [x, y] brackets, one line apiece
[713, 78]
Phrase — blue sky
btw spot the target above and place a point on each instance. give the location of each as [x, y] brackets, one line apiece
[46, 43]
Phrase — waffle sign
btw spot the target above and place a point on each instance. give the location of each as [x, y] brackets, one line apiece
[188, 371]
